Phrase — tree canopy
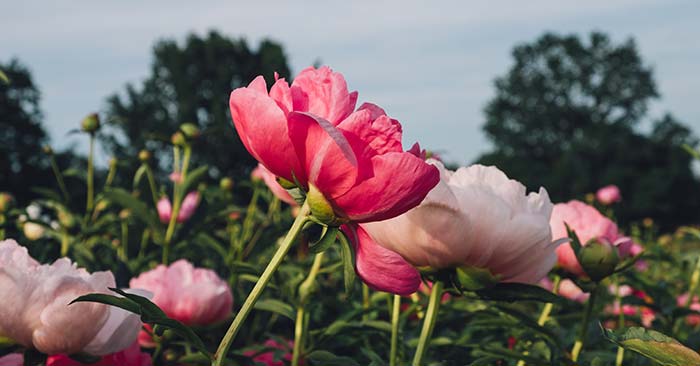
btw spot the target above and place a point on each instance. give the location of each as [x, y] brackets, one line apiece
[566, 116]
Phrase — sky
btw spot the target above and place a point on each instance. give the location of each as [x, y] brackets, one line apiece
[430, 64]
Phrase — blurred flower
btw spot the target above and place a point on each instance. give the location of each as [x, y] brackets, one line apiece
[475, 218]
[175, 177]
[33, 231]
[645, 314]
[194, 296]
[381, 268]
[226, 184]
[648, 222]
[131, 356]
[608, 195]
[275, 356]
[351, 163]
[6, 201]
[567, 289]
[260, 172]
[33, 211]
[13, 359]
[693, 319]
[187, 208]
[589, 225]
[91, 123]
[34, 309]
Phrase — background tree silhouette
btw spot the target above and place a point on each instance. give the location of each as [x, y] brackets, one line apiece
[565, 116]
[191, 83]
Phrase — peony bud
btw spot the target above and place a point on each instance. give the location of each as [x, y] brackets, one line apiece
[47, 149]
[6, 201]
[164, 209]
[608, 195]
[33, 231]
[190, 130]
[144, 156]
[188, 207]
[178, 139]
[226, 184]
[91, 123]
[599, 259]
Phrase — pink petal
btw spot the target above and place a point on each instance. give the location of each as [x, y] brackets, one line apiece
[329, 160]
[380, 134]
[380, 268]
[323, 93]
[262, 127]
[400, 182]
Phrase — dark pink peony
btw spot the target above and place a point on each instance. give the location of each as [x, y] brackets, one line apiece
[608, 195]
[131, 356]
[275, 356]
[311, 134]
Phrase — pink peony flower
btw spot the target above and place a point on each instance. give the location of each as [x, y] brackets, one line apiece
[260, 172]
[381, 268]
[187, 208]
[131, 356]
[175, 177]
[608, 195]
[645, 313]
[35, 311]
[13, 359]
[475, 217]
[692, 320]
[588, 224]
[309, 133]
[194, 296]
[567, 289]
[276, 356]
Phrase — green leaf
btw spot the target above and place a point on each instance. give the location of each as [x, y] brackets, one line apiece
[575, 242]
[348, 257]
[211, 242]
[328, 236]
[193, 178]
[511, 292]
[654, 345]
[120, 302]
[4, 78]
[325, 358]
[137, 207]
[276, 306]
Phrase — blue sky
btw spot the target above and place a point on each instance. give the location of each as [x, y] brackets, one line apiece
[429, 64]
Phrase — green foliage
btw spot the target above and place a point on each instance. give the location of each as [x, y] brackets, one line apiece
[652, 344]
[190, 83]
[564, 118]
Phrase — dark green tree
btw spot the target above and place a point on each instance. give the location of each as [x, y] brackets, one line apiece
[22, 163]
[565, 116]
[191, 83]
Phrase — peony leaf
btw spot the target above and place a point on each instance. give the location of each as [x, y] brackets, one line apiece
[654, 345]
[276, 306]
[328, 236]
[348, 256]
[325, 358]
[511, 292]
[138, 208]
[193, 177]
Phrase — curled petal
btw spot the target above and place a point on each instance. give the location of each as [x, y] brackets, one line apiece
[323, 93]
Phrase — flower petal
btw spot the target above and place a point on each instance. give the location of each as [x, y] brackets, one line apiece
[323, 93]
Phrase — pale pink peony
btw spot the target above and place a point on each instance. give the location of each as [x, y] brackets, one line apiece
[588, 224]
[475, 217]
[276, 356]
[567, 289]
[13, 359]
[310, 133]
[260, 172]
[194, 296]
[131, 356]
[35, 311]
[645, 314]
[608, 195]
[187, 208]
[693, 319]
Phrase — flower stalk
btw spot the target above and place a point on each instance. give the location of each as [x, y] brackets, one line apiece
[395, 312]
[428, 323]
[578, 345]
[305, 290]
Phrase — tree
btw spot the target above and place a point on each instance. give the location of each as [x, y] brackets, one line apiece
[191, 83]
[564, 117]
[21, 162]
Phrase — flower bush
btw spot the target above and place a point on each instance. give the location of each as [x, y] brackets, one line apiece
[341, 248]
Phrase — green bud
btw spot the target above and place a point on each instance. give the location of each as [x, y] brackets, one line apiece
[178, 139]
[91, 123]
[475, 278]
[226, 184]
[598, 259]
[321, 209]
[124, 214]
[66, 219]
[190, 130]
[144, 156]
[47, 150]
[6, 201]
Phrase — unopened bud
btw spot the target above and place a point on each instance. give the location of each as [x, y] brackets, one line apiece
[66, 219]
[124, 214]
[47, 150]
[91, 123]
[599, 259]
[144, 156]
[6, 201]
[190, 130]
[178, 139]
[226, 184]
[33, 231]
[475, 278]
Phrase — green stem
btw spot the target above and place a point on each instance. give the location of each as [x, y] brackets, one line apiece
[152, 184]
[177, 200]
[365, 301]
[693, 287]
[428, 323]
[65, 244]
[252, 298]
[396, 310]
[544, 315]
[59, 179]
[90, 176]
[123, 246]
[305, 291]
[620, 322]
[111, 174]
[578, 346]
